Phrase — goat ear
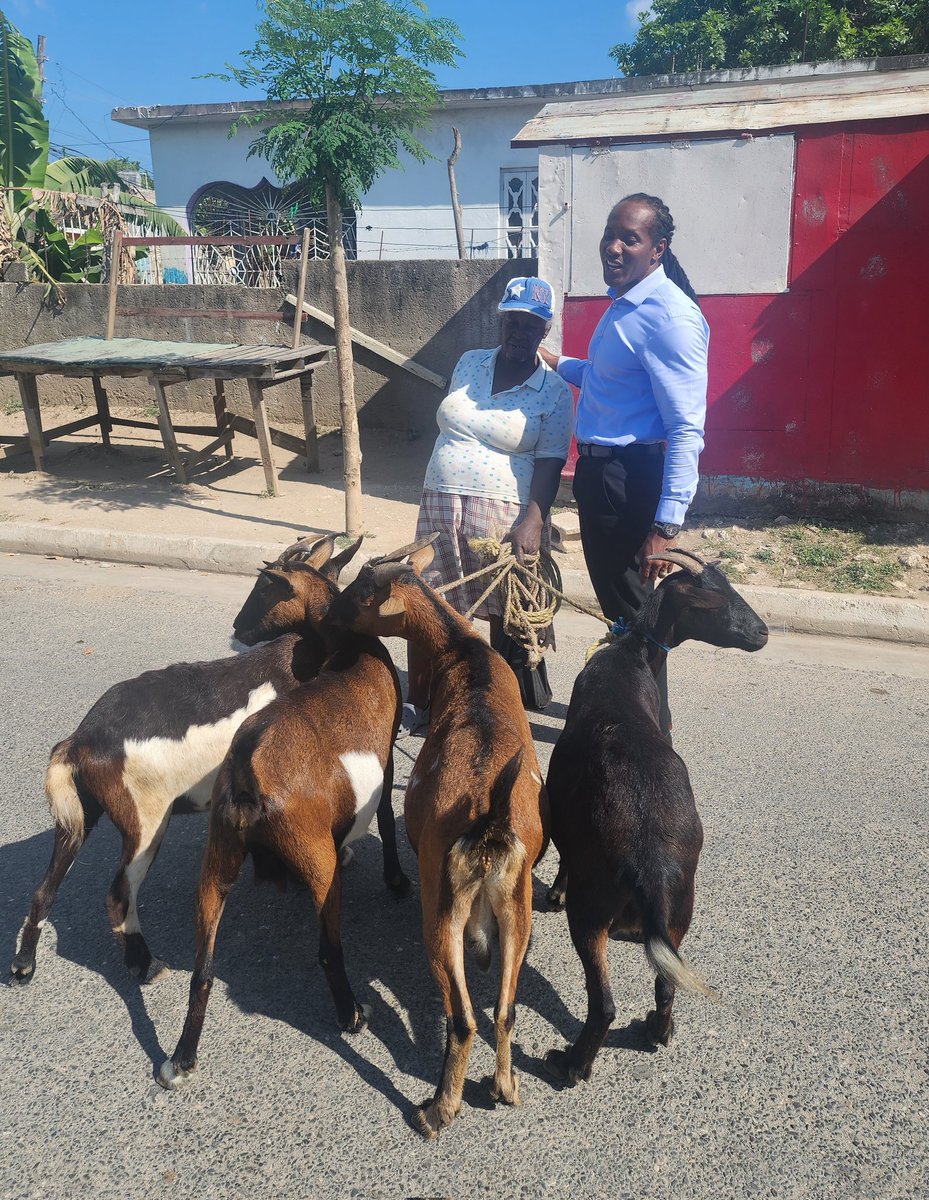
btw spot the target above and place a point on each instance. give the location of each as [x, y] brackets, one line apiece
[391, 606]
[279, 579]
[421, 558]
[334, 566]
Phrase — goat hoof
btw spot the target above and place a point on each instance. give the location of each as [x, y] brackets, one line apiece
[21, 974]
[555, 897]
[429, 1119]
[359, 1020]
[172, 1077]
[558, 1064]
[399, 885]
[659, 1032]
[507, 1091]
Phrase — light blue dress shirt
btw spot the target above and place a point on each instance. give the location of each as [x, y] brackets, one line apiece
[645, 381]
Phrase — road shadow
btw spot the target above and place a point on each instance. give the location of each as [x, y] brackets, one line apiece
[266, 954]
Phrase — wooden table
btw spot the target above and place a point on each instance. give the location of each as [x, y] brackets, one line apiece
[167, 363]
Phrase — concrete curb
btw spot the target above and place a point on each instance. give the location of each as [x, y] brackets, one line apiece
[885, 618]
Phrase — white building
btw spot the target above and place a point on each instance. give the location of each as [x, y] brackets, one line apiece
[206, 179]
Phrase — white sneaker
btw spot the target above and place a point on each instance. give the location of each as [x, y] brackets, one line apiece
[414, 722]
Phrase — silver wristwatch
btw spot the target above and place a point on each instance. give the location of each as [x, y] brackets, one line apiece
[666, 529]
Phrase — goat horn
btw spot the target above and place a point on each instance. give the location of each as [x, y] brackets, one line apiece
[399, 555]
[681, 558]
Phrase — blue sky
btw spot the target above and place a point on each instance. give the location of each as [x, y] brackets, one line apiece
[106, 53]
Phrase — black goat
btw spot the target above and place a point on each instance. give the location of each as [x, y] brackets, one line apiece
[154, 744]
[623, 812]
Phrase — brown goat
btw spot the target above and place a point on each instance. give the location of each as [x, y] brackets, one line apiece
[302, 779]
[476, 810]
[153, 745]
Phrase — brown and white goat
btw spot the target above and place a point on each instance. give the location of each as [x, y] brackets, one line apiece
[475, 809]
[623, 812]
[302, 779]
[153, 745]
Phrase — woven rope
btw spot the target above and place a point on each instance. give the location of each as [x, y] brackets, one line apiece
[529, 601]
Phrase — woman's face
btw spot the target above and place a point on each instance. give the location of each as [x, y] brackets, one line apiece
[520, 335]
[627, 251]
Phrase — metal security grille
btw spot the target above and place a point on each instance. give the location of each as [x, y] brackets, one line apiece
[229, 210]
[519, 211]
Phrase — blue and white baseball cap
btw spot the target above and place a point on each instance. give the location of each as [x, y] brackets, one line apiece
[529, 295]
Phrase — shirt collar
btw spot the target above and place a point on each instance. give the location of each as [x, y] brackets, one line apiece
[643, 289]
[536, 380]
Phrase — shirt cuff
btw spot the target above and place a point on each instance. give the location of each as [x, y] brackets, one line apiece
[671, 512]
[572, 369]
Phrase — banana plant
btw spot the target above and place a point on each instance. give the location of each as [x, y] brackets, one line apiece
[35, 189]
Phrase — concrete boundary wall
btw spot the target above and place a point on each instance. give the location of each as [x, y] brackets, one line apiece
[431, 310]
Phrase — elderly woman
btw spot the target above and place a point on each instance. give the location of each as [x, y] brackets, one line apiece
[504, 431]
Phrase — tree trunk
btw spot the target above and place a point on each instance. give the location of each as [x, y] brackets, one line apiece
[351, 444]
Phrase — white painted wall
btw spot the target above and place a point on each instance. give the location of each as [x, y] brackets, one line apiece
[730, 199]
[410, 207]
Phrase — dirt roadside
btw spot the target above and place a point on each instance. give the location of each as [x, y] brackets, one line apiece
[127, 487]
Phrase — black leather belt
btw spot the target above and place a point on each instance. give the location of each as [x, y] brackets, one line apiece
[592, 450]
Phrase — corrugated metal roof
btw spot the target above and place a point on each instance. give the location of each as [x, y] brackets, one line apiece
[732, 107]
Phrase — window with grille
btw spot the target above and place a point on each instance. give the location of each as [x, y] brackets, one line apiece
[519, 211]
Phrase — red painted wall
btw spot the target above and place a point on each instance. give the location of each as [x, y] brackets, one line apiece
[830, 380]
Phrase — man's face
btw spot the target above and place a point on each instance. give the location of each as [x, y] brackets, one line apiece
[520, 335]
[626, 248]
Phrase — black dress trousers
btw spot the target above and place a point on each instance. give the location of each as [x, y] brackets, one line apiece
[616, 500]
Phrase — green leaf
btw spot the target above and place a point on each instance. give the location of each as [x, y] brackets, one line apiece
[23, 128]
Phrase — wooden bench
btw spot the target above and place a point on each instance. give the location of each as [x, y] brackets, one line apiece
[166, 363]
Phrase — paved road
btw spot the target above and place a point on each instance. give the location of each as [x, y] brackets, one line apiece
[807, 1080]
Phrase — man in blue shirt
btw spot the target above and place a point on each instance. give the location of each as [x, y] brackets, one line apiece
[643, 386]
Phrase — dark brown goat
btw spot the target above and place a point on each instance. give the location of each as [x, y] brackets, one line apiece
[623, 812]
[302, 779]
[153, 744]
[474, 808]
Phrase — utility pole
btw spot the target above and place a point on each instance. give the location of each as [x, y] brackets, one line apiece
[40, 59]
[453, 187]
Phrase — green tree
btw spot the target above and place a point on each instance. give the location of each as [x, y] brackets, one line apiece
[31, 184]
[366, 67]
[705, 35]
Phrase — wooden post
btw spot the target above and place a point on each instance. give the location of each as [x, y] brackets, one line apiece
[263, 433]
[309, 423]
[29, 392]
[103, 409]
[301, 286]
[167, 430]
[351, 443]
[222, 417]
[456, 207]
[116, 249]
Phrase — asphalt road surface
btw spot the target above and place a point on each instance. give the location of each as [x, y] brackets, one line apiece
[808, 1079]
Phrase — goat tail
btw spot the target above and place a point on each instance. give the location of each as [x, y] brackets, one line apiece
[490, 845]
[236, 802]
[667, 962]
[64, 800]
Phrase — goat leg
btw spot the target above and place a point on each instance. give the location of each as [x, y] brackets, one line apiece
[351, 1016]
[64, 853]
[122, 898]
[387, 828]
[221, 866]
[659, 1024]
[576, 1063]
[557, 892]
[445, 949]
